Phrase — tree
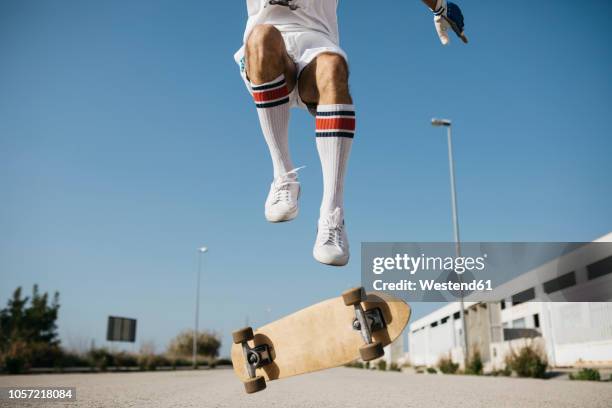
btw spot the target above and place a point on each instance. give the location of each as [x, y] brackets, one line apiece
[208, 344]
[28, 330]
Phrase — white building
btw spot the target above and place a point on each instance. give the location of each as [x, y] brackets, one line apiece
[394, 351]
[571, 333]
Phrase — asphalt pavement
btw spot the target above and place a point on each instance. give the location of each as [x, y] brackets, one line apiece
[341, 387]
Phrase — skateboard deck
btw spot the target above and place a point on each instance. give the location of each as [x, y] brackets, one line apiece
[320, 336]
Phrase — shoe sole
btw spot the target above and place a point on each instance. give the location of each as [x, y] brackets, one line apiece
[340, 262]
[286, 218]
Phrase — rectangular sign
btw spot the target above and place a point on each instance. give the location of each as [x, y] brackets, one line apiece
[121, 329]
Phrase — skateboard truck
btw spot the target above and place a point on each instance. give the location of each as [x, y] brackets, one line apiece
[374, 321]
[366, 322]
[255, 358]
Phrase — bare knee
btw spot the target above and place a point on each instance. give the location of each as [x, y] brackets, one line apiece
[332, 79]
[265, 52]
[265, 38]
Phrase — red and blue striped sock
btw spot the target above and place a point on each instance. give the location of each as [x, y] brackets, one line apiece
[272, 101]
[335, 131]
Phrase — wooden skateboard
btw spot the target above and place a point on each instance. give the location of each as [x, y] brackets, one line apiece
[326, 335]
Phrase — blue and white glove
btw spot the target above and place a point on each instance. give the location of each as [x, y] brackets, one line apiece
[448, 16]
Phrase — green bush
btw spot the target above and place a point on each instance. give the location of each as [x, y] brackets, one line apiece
[45, 354]
[21, 356]
[125, 360]
[71, 359]
[223, 362]
[381, 365]
[175, 362]
[149, 362]
[527, 362]
[446, 365]
[505, 372]
[207, 344]
[394, 367]
[16, 360]
[475, 365]
[431, 370]
[586, 374]
[101, 359]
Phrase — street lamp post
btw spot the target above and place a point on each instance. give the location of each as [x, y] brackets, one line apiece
[451, 163]
[201, 250]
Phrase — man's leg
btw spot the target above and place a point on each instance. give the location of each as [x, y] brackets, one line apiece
[325, 82]
[272, 74]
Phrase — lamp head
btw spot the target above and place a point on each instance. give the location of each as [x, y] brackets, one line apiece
[441, 122]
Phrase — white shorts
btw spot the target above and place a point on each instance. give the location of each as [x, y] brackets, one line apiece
[302, 47]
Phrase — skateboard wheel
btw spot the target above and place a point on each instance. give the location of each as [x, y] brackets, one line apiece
[372, 351]
[353, 296]
[255, 384]
[243, 335]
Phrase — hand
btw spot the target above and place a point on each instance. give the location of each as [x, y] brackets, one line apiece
[448, 16]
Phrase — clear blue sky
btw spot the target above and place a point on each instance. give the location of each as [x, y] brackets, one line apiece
[127, 140]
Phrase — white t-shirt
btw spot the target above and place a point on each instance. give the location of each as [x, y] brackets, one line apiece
[316, 15]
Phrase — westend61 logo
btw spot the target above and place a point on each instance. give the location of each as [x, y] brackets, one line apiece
[414, 264]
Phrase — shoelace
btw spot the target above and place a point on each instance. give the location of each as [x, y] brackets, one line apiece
[282, 183]
[333, 227]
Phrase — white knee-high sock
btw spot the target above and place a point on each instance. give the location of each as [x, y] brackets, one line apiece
[335, 131]
[272, 101]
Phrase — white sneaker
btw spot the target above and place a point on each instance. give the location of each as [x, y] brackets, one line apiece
[282, 201]
[331, 246]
